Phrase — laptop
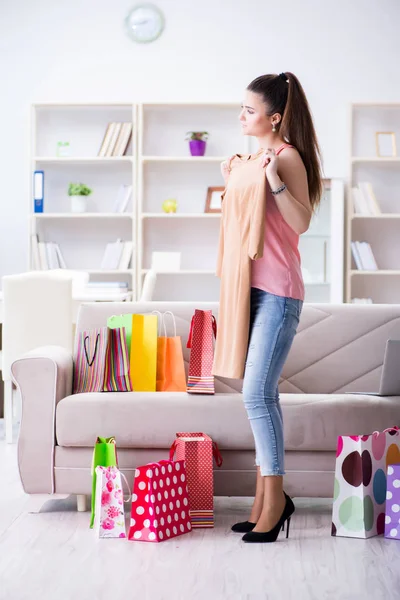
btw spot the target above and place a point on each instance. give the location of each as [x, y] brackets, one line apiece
[390, 377]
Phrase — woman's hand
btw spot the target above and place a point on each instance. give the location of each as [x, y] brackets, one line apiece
[270, 161]
[226, 168]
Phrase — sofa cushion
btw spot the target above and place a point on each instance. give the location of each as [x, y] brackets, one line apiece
[312, 422]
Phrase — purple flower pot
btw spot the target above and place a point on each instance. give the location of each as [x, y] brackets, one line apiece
[197, 147]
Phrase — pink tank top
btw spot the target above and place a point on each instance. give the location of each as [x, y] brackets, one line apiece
[278, 271]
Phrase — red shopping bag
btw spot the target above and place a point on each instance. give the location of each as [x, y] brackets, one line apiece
[198, 450]
[160, 502]
[202, 328]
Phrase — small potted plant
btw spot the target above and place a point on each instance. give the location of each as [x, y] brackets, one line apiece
[197, 142]
[78, 193]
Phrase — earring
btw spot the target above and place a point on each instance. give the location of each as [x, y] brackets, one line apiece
[273, 127]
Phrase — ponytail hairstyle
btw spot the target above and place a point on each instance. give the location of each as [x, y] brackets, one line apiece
[284, 94]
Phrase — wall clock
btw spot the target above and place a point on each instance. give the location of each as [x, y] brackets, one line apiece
[145, 23]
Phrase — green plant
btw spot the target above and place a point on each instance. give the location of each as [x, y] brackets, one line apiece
[78, 189]
[197, 135]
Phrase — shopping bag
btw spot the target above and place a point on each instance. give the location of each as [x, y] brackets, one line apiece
[117, 368]
[143, 360]
[202, 328]
[198, 451]
[392, 512]
[109, 514]
[89, 360]
[160, 503]
[125, 321]
[104, 455]
[360, 482]
[171, 375]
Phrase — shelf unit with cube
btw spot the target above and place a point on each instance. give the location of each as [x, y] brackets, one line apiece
[382, 230]
[82, 237]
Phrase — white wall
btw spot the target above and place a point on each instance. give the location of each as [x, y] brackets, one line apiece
[77, 50]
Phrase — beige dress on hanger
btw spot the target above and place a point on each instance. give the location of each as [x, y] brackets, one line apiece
[241, 241]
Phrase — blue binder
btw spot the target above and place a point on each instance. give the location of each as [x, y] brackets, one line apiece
[38, 191]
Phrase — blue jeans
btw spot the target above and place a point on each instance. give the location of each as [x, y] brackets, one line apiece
[273, 325]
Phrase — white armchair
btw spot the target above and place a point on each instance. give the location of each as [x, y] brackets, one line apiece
[37, 311]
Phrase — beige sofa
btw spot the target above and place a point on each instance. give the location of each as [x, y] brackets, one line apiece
[338, 348]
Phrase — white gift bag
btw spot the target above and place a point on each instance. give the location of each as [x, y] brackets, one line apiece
[109, 515]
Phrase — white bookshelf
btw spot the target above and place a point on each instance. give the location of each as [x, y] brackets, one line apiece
[380, 231]
[166, 170]
[82, 237]
[159, 166]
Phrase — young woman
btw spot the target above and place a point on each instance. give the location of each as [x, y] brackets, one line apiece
[268, 203]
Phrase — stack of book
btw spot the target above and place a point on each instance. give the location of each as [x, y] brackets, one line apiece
[112, 290]
[364, 199]
[46, 255]
[117, 256]
[116, 139]
[363, 256]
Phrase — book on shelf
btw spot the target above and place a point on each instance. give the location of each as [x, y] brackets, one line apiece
[118, 285]
[117, 256]
[122, 199]
[364, 199]
[46, 255]
[362, 301]
[116, 139]
[363, 256]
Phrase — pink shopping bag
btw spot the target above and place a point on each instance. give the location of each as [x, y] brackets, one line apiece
[160, 502]
[202, 329]
[109, 517]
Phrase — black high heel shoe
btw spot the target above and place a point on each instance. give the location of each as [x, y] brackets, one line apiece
[246, 526]
[272, 535]
[243, 527]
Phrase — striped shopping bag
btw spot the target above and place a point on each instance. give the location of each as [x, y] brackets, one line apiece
[89, 360]
[202, 328]
[117, 376]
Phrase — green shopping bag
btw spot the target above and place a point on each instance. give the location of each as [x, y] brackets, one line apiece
[119, 321]
[104, 455]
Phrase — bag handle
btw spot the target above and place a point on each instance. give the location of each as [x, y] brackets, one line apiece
[173, 449]
[160, 323]
[395, 428]
[217, 454]
[90, 363]
[168, 312]
[127, 485]
[214, 326]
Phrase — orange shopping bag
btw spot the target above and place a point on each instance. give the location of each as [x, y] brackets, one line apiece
[170, 366]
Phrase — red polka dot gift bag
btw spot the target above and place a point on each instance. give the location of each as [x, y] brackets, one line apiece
[202, 329]
[360, 482]
[160, 503]
[198, 451]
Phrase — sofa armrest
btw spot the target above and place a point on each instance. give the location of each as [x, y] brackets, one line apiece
[43, 377]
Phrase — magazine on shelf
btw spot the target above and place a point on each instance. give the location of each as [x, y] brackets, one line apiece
[112, 256]
[363, 256]
[122, 199]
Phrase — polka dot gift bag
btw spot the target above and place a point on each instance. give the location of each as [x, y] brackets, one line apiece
[392, 519]
[160, 503]
[360, 482]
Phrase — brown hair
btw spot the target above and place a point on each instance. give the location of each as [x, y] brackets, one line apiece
[284, 94]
